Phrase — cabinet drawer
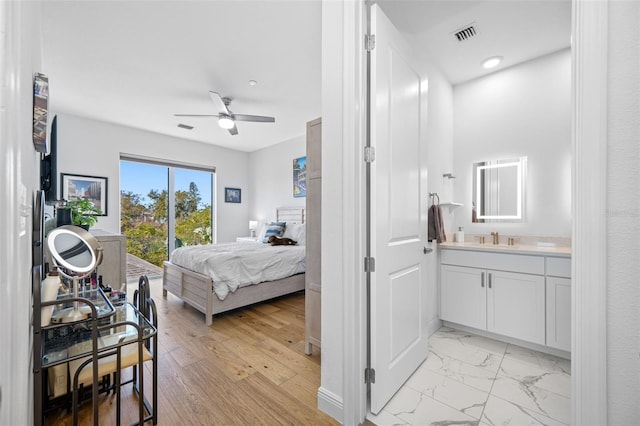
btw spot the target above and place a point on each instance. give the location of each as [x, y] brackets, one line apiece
[559, 267]
[498, 261]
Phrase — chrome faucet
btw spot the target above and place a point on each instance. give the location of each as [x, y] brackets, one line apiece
[496, 238]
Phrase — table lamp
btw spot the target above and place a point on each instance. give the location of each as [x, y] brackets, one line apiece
[253, 224]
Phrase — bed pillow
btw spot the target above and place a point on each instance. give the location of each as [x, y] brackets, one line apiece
[273, 228]
[295, 231]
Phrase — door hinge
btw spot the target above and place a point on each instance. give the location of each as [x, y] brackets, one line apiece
[369, 154]
[369, 42]
[369, 375]
[369, 264]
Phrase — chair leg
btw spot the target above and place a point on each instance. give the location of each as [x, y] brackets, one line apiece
[74, 408]
[118, 379]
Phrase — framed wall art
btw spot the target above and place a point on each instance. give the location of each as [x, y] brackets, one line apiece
[77, 187]
[300, 177]
[232, 195]
[40, 111]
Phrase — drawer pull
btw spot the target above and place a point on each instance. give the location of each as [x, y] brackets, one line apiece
[482, 279]
[489, 279]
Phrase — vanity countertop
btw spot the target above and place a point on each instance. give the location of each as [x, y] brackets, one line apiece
[559, 251]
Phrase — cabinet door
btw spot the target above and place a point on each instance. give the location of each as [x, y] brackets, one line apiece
[463, 298]
[559, 313]
[516, 305]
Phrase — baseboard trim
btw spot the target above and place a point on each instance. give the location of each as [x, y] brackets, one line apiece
[534, 346]
[331, 404]
[433, 326]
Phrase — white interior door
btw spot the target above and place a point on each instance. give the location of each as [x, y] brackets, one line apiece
[398, 214]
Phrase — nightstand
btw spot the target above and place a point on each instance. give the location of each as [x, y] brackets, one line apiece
[247, 240]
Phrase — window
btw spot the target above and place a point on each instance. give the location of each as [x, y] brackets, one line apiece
[164, 206]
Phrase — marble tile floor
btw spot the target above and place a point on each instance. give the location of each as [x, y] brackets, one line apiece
[472, 380]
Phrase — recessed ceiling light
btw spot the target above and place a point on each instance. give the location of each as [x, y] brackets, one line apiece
[252, 82]
[492, 62]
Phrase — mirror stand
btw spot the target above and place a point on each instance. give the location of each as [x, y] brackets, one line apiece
[73, 313]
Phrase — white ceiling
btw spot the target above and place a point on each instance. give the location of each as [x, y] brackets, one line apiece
[136, 63]
[518, 30]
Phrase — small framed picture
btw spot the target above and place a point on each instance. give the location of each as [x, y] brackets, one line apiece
[300, 177]
[232, 195]
[78, 187]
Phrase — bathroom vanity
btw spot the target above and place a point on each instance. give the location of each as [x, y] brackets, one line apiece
[519, 292]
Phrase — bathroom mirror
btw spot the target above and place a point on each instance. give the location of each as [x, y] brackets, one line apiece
[498, 190]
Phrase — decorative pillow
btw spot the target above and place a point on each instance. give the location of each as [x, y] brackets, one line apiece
[302, 235]
[295, 231]
[273, 228]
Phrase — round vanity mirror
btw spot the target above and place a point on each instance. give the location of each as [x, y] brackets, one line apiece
[72, 250]
[76, 253]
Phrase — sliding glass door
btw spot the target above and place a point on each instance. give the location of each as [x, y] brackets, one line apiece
[164, 206]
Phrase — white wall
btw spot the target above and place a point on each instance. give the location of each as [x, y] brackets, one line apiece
[439, 127]
[89, 147]
[342, 160]
[623, 214]
[21, 53]
[524, 110]
[271, 179]
[332, 367]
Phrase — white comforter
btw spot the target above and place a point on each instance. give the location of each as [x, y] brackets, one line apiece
[233, 265]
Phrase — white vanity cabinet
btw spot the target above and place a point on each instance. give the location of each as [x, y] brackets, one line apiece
[496, 292]
[559, 303]
[463, 298]
[515, 305]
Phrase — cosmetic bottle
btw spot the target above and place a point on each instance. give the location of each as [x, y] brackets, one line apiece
[48, 292]
[460, 235]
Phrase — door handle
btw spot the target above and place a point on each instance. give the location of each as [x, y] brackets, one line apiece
[482, 279]
[489, 279]
[427, 250]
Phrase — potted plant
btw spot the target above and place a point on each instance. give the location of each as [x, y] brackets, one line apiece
[83, 213]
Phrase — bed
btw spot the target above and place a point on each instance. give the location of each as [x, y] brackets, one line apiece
[193, 281]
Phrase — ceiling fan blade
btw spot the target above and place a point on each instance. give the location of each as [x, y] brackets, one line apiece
[233, 130]
[219, 103]
[195, 115]
[257, 118]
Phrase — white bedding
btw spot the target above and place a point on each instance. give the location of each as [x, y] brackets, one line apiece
[234, 265]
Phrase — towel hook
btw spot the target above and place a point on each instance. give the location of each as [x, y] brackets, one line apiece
[434, 195]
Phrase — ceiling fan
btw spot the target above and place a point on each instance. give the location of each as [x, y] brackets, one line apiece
[226, 118]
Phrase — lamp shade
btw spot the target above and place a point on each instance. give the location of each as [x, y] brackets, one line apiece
[253, 224]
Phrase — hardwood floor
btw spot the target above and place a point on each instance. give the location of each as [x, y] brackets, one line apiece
[248, 368]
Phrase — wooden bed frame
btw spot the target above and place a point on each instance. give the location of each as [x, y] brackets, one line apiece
[197, 289]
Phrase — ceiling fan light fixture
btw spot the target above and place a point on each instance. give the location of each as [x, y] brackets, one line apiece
[226, 122]
[491, 62]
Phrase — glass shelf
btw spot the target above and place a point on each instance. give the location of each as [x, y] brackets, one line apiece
[95, 296]
[67, 342]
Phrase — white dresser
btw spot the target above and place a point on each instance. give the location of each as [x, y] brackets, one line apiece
[114, 262]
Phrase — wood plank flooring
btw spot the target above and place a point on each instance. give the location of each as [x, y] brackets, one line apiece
[248, 368]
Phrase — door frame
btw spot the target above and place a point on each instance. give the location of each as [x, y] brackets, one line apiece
[589, 143]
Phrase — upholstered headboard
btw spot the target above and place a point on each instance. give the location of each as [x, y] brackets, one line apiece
[290, 214]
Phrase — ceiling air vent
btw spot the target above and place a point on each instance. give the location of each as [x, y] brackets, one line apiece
[466, 33]
[185, 126]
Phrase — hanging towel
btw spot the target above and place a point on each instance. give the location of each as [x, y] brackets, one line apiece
[435, 225]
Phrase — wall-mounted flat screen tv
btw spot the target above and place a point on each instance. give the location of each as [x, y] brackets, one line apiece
[49, 165]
